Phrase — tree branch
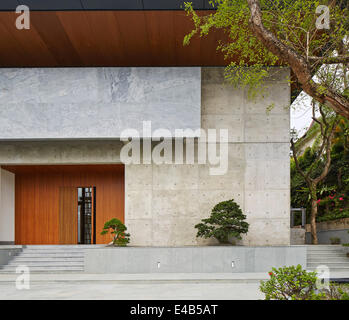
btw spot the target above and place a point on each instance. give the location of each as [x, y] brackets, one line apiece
[298, 64]
[330, 60]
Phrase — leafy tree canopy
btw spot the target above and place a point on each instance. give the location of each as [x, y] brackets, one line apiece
[290, 32]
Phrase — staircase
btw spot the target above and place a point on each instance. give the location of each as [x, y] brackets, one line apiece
[48, 259]
[331, 256]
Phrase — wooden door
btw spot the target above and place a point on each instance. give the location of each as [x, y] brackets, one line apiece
[39, 208]
[68, 225]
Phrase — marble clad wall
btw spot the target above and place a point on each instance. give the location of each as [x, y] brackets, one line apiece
[96, 103]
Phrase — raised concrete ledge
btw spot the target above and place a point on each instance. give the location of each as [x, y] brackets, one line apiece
[7, 252]
[209, 259]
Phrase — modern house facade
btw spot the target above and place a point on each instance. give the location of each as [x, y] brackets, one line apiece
[68, 111]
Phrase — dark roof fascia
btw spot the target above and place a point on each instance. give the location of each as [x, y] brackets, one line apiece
[102, 5]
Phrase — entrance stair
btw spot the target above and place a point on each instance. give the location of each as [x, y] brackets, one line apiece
[332, 256]
[49, 259]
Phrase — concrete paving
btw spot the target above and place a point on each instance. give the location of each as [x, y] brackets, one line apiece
[150, 291]
[144, 278]
[238, 286]
[134, 286]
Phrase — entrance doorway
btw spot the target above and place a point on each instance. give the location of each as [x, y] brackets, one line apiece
[77, 215]
[47, 202]
[86, 215]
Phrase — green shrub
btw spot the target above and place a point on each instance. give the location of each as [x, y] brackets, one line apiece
[117, 230]
[290, 283]
[226, 221]
[335, 240]
[337, 292]
[346, 244]
[294, 283]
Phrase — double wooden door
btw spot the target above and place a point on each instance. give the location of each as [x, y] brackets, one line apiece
[47, 201]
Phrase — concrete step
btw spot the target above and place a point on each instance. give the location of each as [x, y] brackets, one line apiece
[330, 264]
[318, 262]
[326, 254]
[334, 270]
[48, 259]
[49, 254]
[45, 253]
[329, 249]
[319, 246]
[47, 263]
[64, 247]
[38, 259]
[45, 270]
[324, 248]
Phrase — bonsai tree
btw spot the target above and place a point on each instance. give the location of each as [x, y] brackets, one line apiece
[117, 230]
[226, 221]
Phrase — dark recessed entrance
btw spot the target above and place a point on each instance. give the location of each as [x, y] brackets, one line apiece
[86, 215]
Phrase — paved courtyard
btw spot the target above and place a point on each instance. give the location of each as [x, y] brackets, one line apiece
[150, 291]
[132, 287]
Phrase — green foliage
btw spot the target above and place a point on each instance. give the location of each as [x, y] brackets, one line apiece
[294, 283]
[332, 192]
[292, 21]
[335, 240]
[290, 283]
[226, 221]
[117, 230]
[346, 245]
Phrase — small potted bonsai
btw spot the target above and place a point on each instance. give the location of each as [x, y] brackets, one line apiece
[226, 222]
[335, 240]
[117, 230]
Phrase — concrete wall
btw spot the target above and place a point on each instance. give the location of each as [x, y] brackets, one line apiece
[192, 259]
[60, 103]
[7, 252]
[338, 224]
[163, 203]
[59, 152]
[330, 229]
[7, 207]
[297, 236]
[324, 236]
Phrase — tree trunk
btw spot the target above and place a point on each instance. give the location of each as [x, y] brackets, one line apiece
[297, 63]
[313, 215]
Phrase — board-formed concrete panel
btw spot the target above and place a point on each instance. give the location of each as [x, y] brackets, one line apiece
[257, 177]
[96, 103]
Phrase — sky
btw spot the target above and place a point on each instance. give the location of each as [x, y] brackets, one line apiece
[301, 114]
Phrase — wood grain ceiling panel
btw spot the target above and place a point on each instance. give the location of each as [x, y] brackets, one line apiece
[54, 35]
[29, 42]
[105, 38]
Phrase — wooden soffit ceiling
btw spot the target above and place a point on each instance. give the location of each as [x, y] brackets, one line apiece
[105, 38]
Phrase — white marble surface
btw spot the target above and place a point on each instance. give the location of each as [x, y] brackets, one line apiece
[70, 103]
